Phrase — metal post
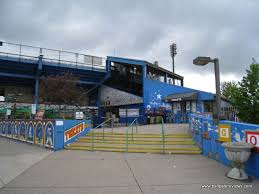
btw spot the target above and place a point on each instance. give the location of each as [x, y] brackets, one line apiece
[163, 136]
[132, 132]
[76, 58]
[127, 140]
[92, 63]
[217, 80]
[103, 133]
[173, 63]
[126, 117]
[36, 93]
[93, 140]
[58, 56]
[20, 52]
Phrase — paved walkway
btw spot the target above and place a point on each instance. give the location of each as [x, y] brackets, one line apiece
[72, 172]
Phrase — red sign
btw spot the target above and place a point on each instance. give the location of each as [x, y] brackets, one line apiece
[72, 132]
[253, 138]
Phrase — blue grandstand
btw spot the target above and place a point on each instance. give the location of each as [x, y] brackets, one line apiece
[118, 87]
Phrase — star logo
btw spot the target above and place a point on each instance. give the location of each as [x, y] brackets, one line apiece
[158, 96]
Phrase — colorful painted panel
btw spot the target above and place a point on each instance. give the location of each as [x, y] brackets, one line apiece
[224, 132]
[39, 133]
[49, 135]
[30, 132]
[44, 132]
[253, 138]
[16, 129]
[73, 131]
[22, 131]
[9, 129]
[1, 127]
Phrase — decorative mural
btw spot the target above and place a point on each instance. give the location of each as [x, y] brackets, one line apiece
[49, 135]
[156, 101]
[54, 134]
[210, 137]
[155, 90]
[39, 132]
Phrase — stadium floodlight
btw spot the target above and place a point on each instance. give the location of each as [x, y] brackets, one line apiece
[173, 52]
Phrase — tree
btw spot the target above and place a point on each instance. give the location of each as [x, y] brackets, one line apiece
[246, 98]
[61, 89]
[229, 89]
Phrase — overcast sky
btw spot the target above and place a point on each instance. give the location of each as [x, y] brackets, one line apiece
[143, 29]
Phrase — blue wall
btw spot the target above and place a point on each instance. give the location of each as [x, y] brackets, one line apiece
[155, 91]
[68, 124]
[47, 133]
[211, 147]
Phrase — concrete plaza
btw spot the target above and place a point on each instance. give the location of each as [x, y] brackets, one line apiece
[30, 169]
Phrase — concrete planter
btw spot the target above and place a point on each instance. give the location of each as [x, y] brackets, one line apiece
[238, 153]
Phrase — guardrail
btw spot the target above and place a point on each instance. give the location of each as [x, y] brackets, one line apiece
[27, 52]
[163, 135]
[98, 126]
[133, 124]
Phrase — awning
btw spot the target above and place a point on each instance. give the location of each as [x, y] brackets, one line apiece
[181, 97]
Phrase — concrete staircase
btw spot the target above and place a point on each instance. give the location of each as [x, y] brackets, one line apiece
[137, 143]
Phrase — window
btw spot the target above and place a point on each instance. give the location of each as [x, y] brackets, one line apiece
[1, 91]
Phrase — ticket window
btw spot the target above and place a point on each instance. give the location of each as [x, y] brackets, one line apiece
[183, 106]
[193, 106]
[188, 106]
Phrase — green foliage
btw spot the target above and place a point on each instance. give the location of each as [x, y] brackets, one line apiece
[246, 97]
[229, 89]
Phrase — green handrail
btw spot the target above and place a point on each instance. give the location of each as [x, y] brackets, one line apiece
[163, 135]
[127, 139]
[93, 131]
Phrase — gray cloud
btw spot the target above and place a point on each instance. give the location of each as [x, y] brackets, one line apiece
[227, 29]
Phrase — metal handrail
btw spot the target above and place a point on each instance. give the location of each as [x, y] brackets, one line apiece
[131, 125]
[163, 135]
[54, 54]
[93, 131]
[60, 61]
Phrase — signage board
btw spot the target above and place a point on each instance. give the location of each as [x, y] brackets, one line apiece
[224, 132]
[129, 112]
[253, 138]
[8, 112]
[79, 115]
[73, 131]
[33, 109]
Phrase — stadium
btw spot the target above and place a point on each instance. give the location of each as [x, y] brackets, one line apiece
[119, 88]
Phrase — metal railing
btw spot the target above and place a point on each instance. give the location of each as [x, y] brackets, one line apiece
[27, 52]
[163, 135]
[133, 124]
[99, 126]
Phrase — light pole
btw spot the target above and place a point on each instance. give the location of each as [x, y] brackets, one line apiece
[201, 61]
[173, 53]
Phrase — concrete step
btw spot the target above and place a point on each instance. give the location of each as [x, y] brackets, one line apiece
[138, 135]
[147, 142]
[137, 142]
[135, 146]
[130, 150]
[144, 139]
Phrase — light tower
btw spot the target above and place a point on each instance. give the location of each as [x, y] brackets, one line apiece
[173, 53]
